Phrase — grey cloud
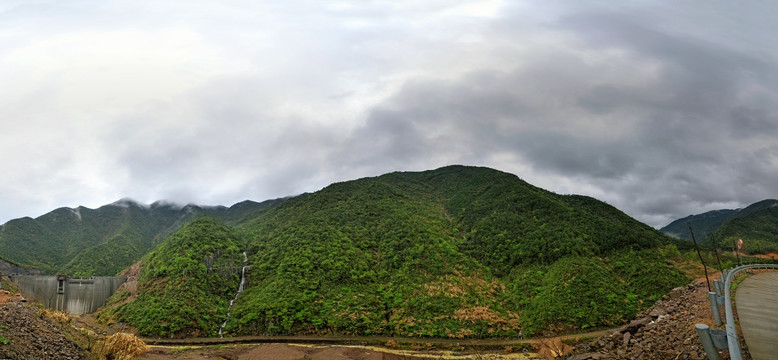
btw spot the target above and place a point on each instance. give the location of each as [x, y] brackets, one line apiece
[749, 121]
[678, 158]
[564, 153]
[655, 107]
[234, 145]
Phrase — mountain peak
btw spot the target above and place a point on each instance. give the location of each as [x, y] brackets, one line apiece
[167, 204]
[128, 202]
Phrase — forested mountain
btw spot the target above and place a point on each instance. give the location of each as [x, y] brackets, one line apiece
[103, 241]
[756, 224]
[186, 283]
[453, 252]
[703, 224]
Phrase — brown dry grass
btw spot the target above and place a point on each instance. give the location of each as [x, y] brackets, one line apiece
[459, 285]
[691, 269]
[553, 348]
[122, 346]
[55, 316]
[477, 313]
[459, 334]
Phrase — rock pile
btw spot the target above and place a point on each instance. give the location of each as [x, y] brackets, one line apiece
[665, 331]
[29, 336]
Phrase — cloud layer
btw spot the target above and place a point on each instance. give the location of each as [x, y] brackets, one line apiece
[660, 109]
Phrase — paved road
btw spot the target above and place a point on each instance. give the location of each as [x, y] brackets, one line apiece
[757, 309]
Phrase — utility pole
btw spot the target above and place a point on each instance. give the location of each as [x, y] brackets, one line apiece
[716, 250]
[737, 251]
[700, 255]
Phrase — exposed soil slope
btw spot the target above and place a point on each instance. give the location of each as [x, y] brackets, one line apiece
[31, 335]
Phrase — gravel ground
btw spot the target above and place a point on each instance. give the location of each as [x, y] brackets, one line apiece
[30, 335]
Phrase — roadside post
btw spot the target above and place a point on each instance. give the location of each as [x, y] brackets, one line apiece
[703, 331]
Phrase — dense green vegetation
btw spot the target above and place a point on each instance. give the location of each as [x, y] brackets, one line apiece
[757, 228]
[585, 292]
[185, 283]
[455, 252]
[444, 253]
[364, 257]
[756, 224]
[104, 241]
[703, 224]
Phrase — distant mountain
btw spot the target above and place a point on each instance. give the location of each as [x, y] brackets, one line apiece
[104, 241]
[757, 207]
[756, 224]
[703, 224]
[454, 252]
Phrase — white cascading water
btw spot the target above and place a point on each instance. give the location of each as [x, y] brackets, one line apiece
[240, 290]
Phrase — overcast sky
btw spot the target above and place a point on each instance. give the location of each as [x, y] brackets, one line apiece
[662, 109]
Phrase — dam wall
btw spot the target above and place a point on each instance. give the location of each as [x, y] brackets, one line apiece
[63, 293]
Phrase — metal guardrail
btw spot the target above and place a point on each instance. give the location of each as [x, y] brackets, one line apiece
[734, 344]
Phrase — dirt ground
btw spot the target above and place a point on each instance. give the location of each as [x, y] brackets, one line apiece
[264, 351]
[771, 256]
[312, 352]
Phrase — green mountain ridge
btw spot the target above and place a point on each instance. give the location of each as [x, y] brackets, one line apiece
[756, 224]
[456, 252]
[106, 240]
[703, 224]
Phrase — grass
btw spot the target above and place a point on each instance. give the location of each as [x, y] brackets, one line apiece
[179, 350]
[742, 276]
[3, 340]
[55, 316]
[122, 346]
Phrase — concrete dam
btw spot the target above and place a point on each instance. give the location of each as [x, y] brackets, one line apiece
[73, 295]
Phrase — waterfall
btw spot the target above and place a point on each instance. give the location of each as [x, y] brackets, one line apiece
[240, 290]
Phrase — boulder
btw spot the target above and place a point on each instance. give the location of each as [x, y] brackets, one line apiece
[676, 293]
[657, 312]
[634, 325]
